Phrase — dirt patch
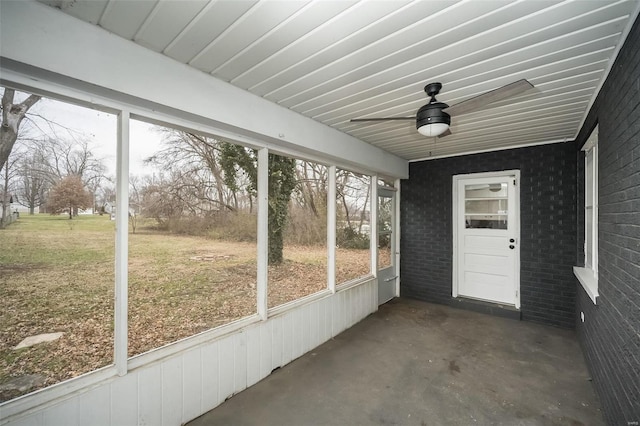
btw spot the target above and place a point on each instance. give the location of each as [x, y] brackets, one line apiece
[211, 257]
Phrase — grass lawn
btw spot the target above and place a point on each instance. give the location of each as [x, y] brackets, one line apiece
[57, 275]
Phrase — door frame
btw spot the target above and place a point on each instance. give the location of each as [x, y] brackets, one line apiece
[394, 275]
[516, 231]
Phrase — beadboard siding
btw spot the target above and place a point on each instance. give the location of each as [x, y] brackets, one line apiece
[182, 387]
[610, 333]
[547, 228]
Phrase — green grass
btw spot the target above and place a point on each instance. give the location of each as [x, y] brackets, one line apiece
[44, 240]
[57, 274]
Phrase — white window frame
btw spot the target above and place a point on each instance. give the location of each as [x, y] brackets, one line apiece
[588, 274]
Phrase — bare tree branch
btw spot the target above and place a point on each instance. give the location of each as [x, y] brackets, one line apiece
[12, 116]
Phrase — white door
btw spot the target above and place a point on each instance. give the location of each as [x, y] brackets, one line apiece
[387, 277]
[486, 254]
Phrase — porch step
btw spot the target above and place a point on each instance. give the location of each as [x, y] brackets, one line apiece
[496, 309]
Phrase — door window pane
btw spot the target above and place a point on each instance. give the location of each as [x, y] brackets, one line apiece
[486, 206]
[385, 215]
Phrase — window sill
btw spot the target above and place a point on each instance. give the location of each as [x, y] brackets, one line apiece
[354, 282]
[588, 280]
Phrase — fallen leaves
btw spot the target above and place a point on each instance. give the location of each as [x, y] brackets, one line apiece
[63, 281]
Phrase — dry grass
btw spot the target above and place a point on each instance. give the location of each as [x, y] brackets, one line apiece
[58, 275]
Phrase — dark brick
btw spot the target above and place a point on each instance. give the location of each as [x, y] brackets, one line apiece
[610, 335]
[548, 227]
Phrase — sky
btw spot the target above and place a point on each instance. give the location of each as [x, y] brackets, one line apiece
[98, 128]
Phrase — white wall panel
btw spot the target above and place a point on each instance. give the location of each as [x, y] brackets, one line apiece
[177, 389]
[287, 337]
[226, 367]
[323, 333]
[240, 361]
[336, 306]
[150, 395]
[277, 336]
[192, 383]
[210, 376]
[253, 354]
[314, 324]
[36, 419]
[171, 391]
[307, 322]
[64, 414]
[265, 349]
[297, 334]
[124, 400]
[93, 407]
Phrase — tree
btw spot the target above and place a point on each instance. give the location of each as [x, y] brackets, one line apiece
[69, 195]
[282, 182]
[32, 180]
[12, 116]
[194, 160]
[55, 158]
[6, 195]
[311, 192]
[65, 157]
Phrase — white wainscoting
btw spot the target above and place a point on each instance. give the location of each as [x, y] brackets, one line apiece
[181, 387]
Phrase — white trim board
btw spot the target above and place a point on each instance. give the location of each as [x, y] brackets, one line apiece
[39, 36]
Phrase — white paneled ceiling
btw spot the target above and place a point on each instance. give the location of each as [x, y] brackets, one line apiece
[337, 60]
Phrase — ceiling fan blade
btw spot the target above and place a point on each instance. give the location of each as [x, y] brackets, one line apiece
[356, 120]
[446, 133]
[495, 95]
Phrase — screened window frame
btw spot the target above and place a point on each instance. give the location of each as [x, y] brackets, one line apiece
[122, 364]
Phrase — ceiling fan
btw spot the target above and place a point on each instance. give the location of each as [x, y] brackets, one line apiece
[432, 119]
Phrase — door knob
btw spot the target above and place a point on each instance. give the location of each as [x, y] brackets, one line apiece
[512, 246]
[511, 240]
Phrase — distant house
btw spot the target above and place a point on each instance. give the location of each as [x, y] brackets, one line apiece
[8, 209]
[110, 208]
[15, 206]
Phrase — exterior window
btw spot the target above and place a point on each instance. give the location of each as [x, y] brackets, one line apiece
[353, 228]
[588, 275]
[192, 235]
[591, 210]
[297, 229]
[56, 243]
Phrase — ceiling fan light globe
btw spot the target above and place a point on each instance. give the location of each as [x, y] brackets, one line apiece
[433, 130]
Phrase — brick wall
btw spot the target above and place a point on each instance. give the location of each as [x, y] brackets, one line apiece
[548, 227]
[610, 335]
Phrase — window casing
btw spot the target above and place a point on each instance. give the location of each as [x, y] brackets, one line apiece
[591, 210]
[588, 275]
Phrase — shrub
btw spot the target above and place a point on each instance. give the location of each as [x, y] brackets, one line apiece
[241, 227]
[350, 238]
[306, 229]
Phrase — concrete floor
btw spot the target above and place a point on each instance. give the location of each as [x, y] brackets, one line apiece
[416, 363]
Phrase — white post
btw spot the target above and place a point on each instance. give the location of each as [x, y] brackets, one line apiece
[122, 244]
[373, 224]
[395, 226]
[331, 230]
[263, 231]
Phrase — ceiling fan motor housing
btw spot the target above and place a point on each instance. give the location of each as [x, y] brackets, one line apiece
[432, 113]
